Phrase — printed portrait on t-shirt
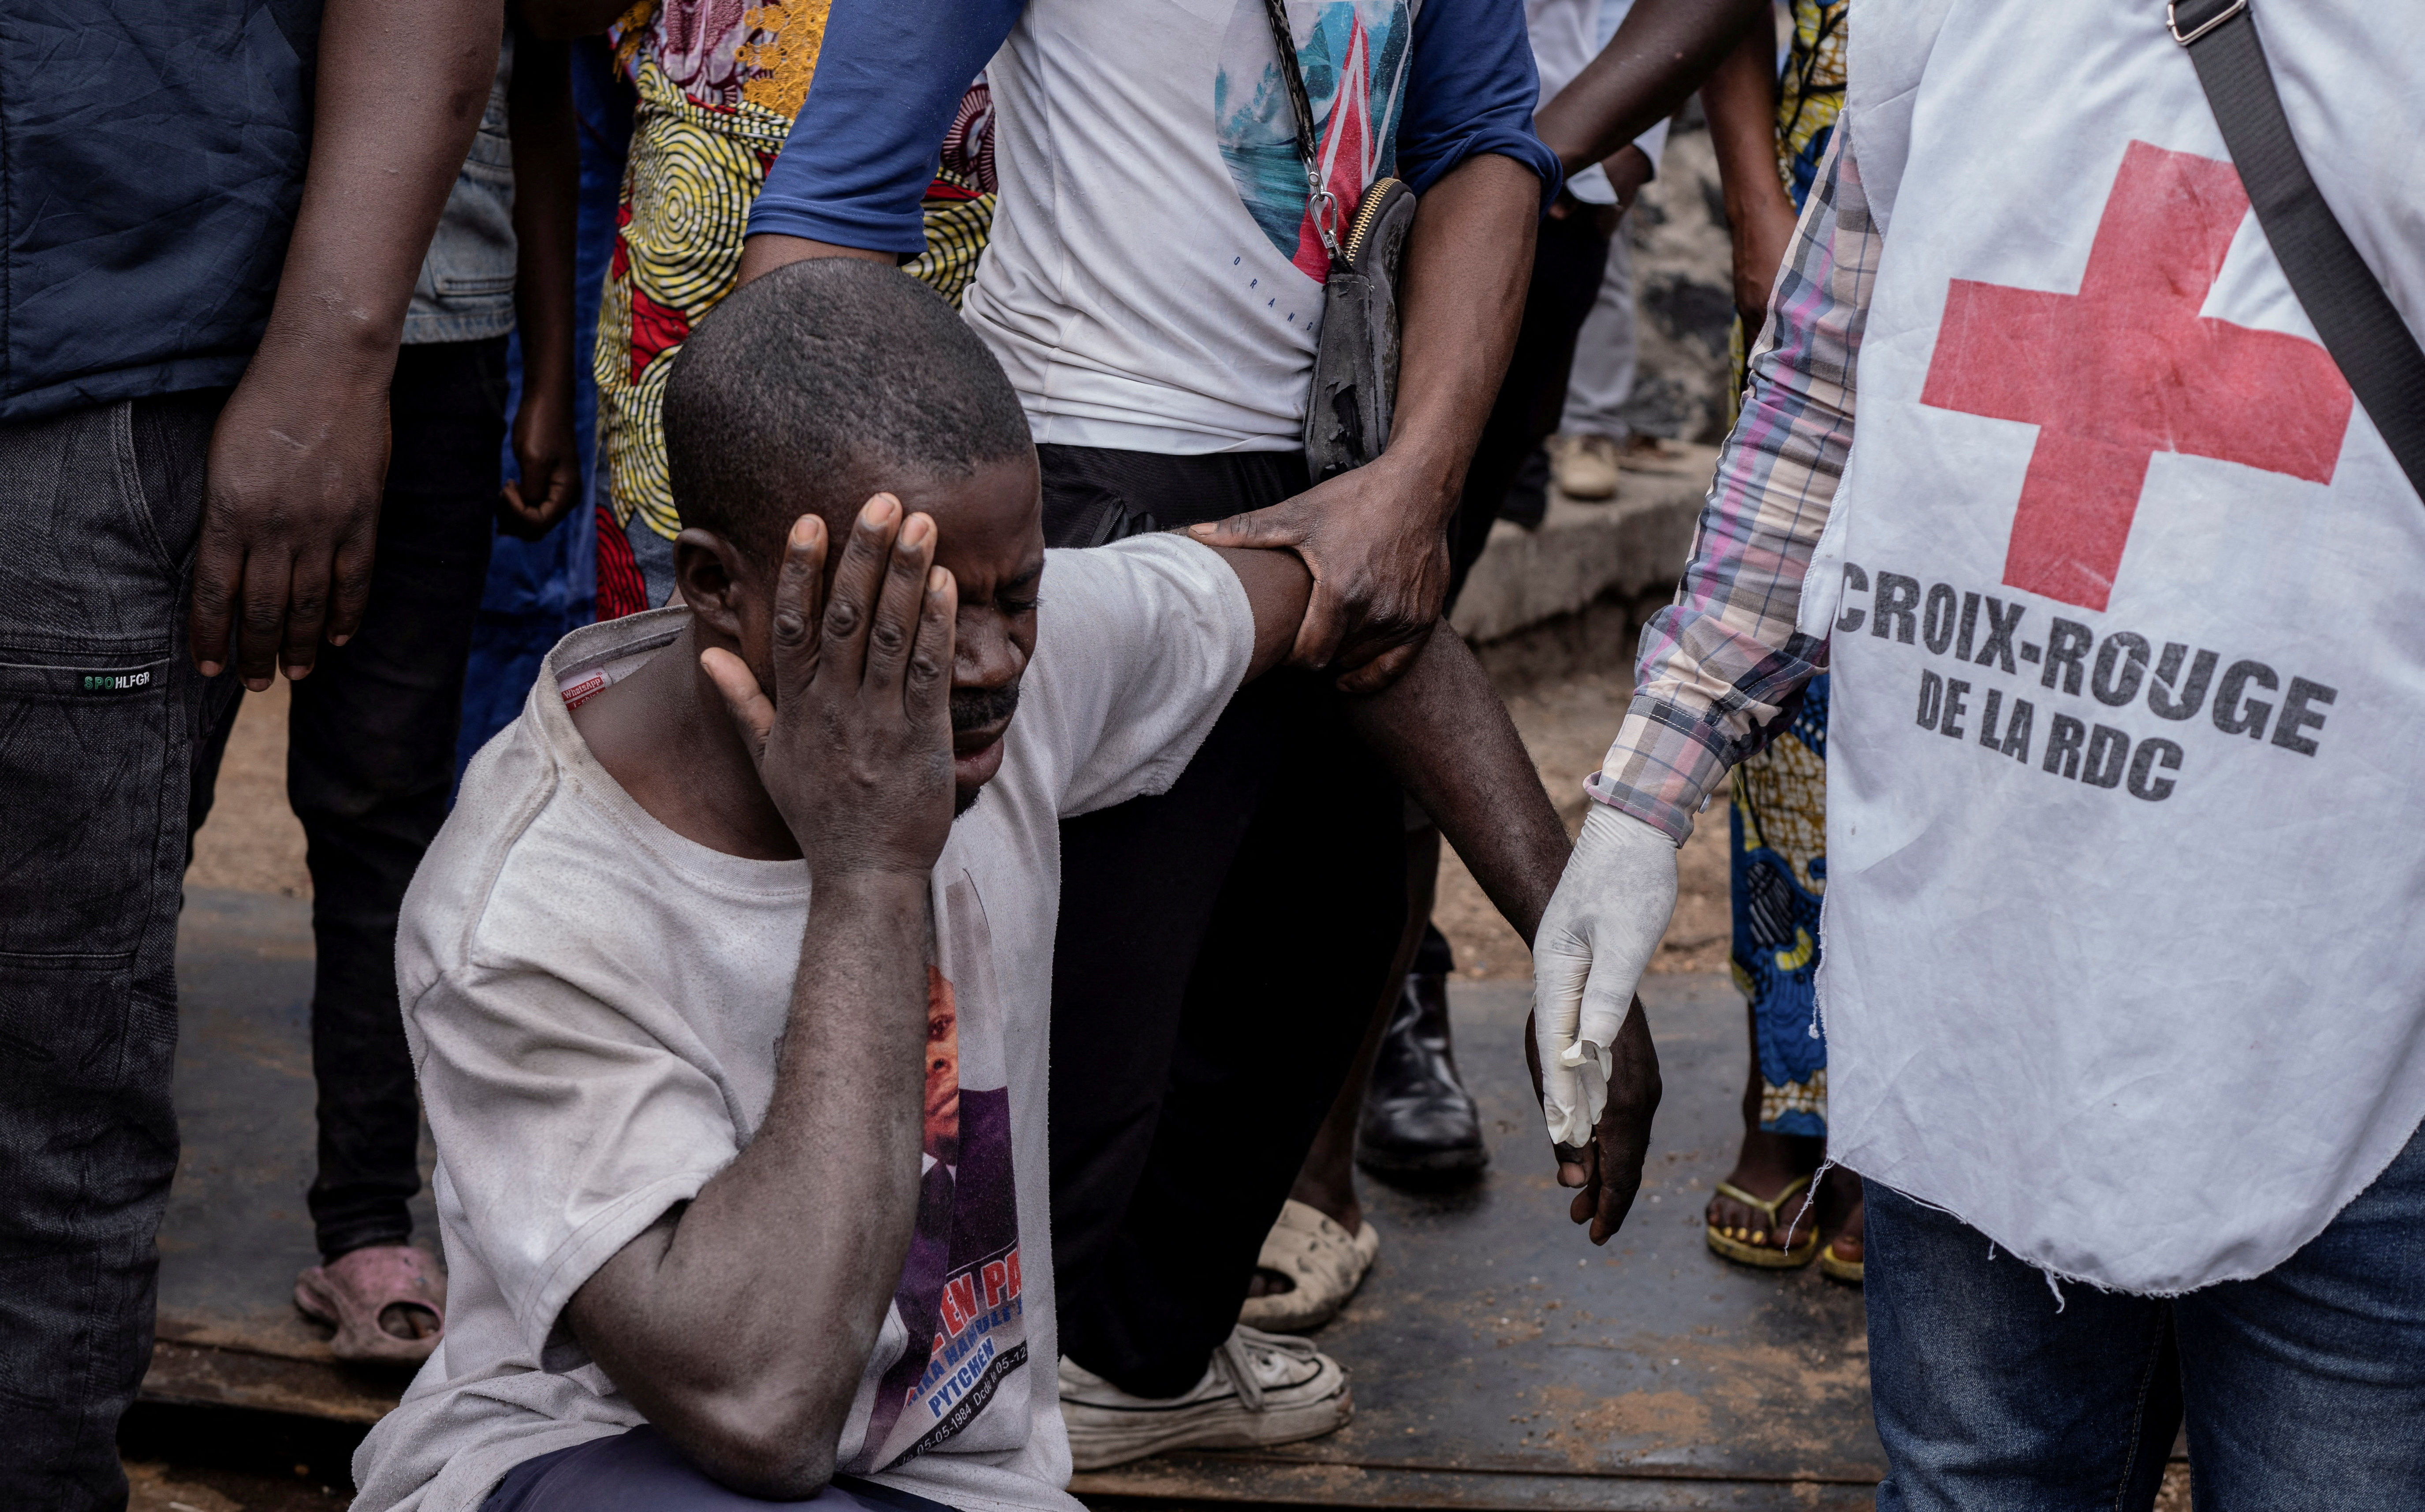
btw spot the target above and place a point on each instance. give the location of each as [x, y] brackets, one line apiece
[959, 1299]
[942, 1069]
[1354, 55]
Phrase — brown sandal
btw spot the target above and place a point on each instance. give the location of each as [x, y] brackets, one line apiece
[351, 1291]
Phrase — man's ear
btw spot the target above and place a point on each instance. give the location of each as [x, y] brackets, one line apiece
[709, 573]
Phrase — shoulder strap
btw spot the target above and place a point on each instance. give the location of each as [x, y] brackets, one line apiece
[1319, 199]
[2360, 326]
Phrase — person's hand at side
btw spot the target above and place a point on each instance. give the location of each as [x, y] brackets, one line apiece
[532, 503]
[297, 470]
[299, 461]
[1373, 537]
[1589, 1045]
[855, 745]
[547, 185]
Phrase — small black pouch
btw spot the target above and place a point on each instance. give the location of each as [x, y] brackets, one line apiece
[1356, 364]
[1356, 358]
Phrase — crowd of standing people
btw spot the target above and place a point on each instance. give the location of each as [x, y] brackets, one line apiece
[775, 349]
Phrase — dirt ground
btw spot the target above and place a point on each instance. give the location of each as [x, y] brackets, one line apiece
[1567, 725]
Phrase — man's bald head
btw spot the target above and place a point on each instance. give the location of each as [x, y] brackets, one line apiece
[819, 383]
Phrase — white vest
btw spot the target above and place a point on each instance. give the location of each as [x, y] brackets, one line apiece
[2126, 804]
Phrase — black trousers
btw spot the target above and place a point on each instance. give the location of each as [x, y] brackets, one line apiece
[1569, 258]
[1220, 950]
[370, 760]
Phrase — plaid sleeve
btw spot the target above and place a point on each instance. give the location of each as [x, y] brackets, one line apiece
[1720, 664]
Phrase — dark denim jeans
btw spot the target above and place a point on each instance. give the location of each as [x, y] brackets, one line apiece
[108, 745]
[2305, 1388]
[639, 1472]
[101, 713]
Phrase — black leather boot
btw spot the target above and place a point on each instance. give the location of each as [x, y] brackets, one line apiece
[1420, 1126]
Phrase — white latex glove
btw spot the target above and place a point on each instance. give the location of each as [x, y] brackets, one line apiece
[1611, 907]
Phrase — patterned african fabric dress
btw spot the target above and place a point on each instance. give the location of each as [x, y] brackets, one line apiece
[1777, 859]
[719, 82]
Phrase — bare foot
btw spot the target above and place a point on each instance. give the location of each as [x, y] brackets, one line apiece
[1329, 1191]
[1767, 1164]
[1839, 1206]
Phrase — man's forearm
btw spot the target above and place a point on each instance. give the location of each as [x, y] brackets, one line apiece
[547, 185]
[402, 84]
[740, 1326]
[1446, 738]
[1740, 100]
[1658, 56]
[1468, 261]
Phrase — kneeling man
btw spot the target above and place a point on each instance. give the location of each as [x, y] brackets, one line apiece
[728, 981]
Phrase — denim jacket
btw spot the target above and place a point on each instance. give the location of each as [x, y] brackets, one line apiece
[465, 288]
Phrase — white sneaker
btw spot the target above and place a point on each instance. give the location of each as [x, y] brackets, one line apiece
[1584, 467]
[1261, 1389]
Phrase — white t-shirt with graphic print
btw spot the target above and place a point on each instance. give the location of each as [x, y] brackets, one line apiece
[594, 1003]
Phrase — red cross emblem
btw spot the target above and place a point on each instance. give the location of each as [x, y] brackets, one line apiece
[2127, 367]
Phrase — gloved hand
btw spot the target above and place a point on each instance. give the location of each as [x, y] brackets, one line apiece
[1611, 907]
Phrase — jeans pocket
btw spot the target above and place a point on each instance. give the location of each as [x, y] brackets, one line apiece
[84, 755]
[90, 717]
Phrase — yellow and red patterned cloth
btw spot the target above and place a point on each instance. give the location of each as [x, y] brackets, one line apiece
[719, 82]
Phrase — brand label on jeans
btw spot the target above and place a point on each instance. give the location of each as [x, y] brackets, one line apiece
[116, 681]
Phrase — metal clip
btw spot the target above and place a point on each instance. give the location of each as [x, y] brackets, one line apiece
[1323, 206]
[2172, 20]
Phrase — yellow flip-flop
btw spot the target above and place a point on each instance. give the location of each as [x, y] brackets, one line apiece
[1748, 1251]
[1847, 1271]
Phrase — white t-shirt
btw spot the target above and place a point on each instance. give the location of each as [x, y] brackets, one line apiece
[594, 1002]
[1101, 362]
[1152, 281]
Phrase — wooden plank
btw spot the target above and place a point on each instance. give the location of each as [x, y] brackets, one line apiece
[197, 1374]
[1244, 1479]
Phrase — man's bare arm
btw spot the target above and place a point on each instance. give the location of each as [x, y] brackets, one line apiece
[298, 460]
[1740, 101]
[741, 1324]
[1447, 738]
[1658, 56]
[547, 212]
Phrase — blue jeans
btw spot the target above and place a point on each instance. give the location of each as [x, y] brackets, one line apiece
[639, 1472]
[2303, 1388]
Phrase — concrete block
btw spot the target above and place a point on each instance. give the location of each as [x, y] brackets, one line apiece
[1633, 546]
